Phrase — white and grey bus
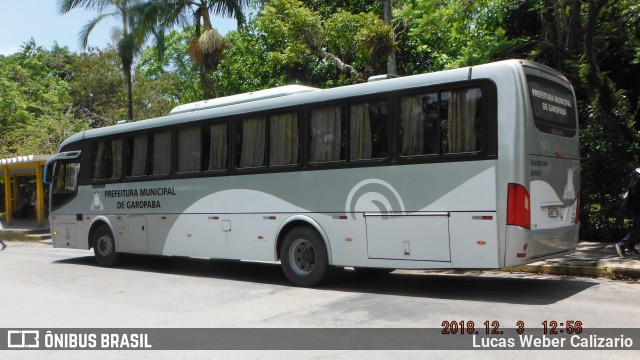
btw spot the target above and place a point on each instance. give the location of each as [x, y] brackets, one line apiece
[475, 167]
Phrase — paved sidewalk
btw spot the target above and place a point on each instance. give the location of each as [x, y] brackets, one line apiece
[589, 259]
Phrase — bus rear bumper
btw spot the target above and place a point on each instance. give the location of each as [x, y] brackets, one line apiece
[526, 246]
[551, 242]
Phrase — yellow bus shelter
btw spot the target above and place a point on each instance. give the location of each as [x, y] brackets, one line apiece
[13, 168]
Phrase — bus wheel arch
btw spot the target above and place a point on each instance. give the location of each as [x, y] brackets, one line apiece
[301, 221]
[95, 224]
[103, 241]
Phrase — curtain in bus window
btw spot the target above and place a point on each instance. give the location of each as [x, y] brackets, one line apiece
[326, 134]
[360, 127]
[71, 176]
[66, 177]
[189, 149]
[161, 153]
[283, 135]
[116, 159]
[218, 149]
[139, 163]
[462, 121]
[98, 160]
[412, 126]
[60, 177]
[253, 143]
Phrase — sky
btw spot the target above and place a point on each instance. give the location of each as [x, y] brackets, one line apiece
[39, 19]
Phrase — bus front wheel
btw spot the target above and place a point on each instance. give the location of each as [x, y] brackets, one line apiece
[304, 257]
[104, 246]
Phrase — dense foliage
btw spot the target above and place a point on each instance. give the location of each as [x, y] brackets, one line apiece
[48, 94]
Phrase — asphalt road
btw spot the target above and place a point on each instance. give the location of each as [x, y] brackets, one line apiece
[42, 287]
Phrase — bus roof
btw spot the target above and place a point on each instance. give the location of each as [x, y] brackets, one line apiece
[242, 98]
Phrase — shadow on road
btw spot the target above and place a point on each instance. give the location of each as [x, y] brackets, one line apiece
[452, 285]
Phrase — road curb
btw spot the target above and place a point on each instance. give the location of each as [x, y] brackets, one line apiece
[30, 235]
[599, 270]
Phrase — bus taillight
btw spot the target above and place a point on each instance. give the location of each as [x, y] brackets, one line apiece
[518, 206]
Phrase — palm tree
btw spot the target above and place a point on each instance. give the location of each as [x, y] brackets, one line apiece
[207, 45]
[128, 43]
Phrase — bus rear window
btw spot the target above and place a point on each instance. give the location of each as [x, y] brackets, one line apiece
[554, 108]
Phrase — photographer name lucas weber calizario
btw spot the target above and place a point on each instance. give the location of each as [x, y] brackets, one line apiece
[553, 335]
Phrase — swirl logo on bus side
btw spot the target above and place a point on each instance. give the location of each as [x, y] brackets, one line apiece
[374, 195]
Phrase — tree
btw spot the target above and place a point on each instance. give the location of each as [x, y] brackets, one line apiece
[456, 33]
[98, 92]
[175, 63]
[356, 44]
[35, 101]
[129, 41]
[98, 88]
[206, 47]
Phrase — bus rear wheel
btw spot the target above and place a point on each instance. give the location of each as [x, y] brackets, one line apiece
[304, 257]
[104, 246]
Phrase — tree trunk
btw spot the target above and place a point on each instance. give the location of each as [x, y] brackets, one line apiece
[573, 33]
[126, 56]
[206, 19]
[127, 76]
[596, 82]
[208, 86]
[392, 68]
[311, 40]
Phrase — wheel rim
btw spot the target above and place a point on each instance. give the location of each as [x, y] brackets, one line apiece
[104, 245]
[303, 256]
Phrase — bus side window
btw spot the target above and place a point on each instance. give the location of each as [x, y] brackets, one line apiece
[283, 139]
[137, 155]
[161, 157]
[106, 159]
[215, 149]
[149, 154]
[114, 159]
[190, 149]
[250, 143]
[326, 135]
[461, 120]
[368, 123]
[419, 123]
[98, 170]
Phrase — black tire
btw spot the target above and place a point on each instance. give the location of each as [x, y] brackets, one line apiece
[104, 246]
[304, 258]
[372, 272]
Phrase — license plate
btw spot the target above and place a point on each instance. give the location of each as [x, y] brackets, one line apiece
[554, 211]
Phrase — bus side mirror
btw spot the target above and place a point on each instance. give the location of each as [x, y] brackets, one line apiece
[48, 172]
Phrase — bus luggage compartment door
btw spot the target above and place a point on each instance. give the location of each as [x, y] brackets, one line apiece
[138, 234]
[423, 236]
